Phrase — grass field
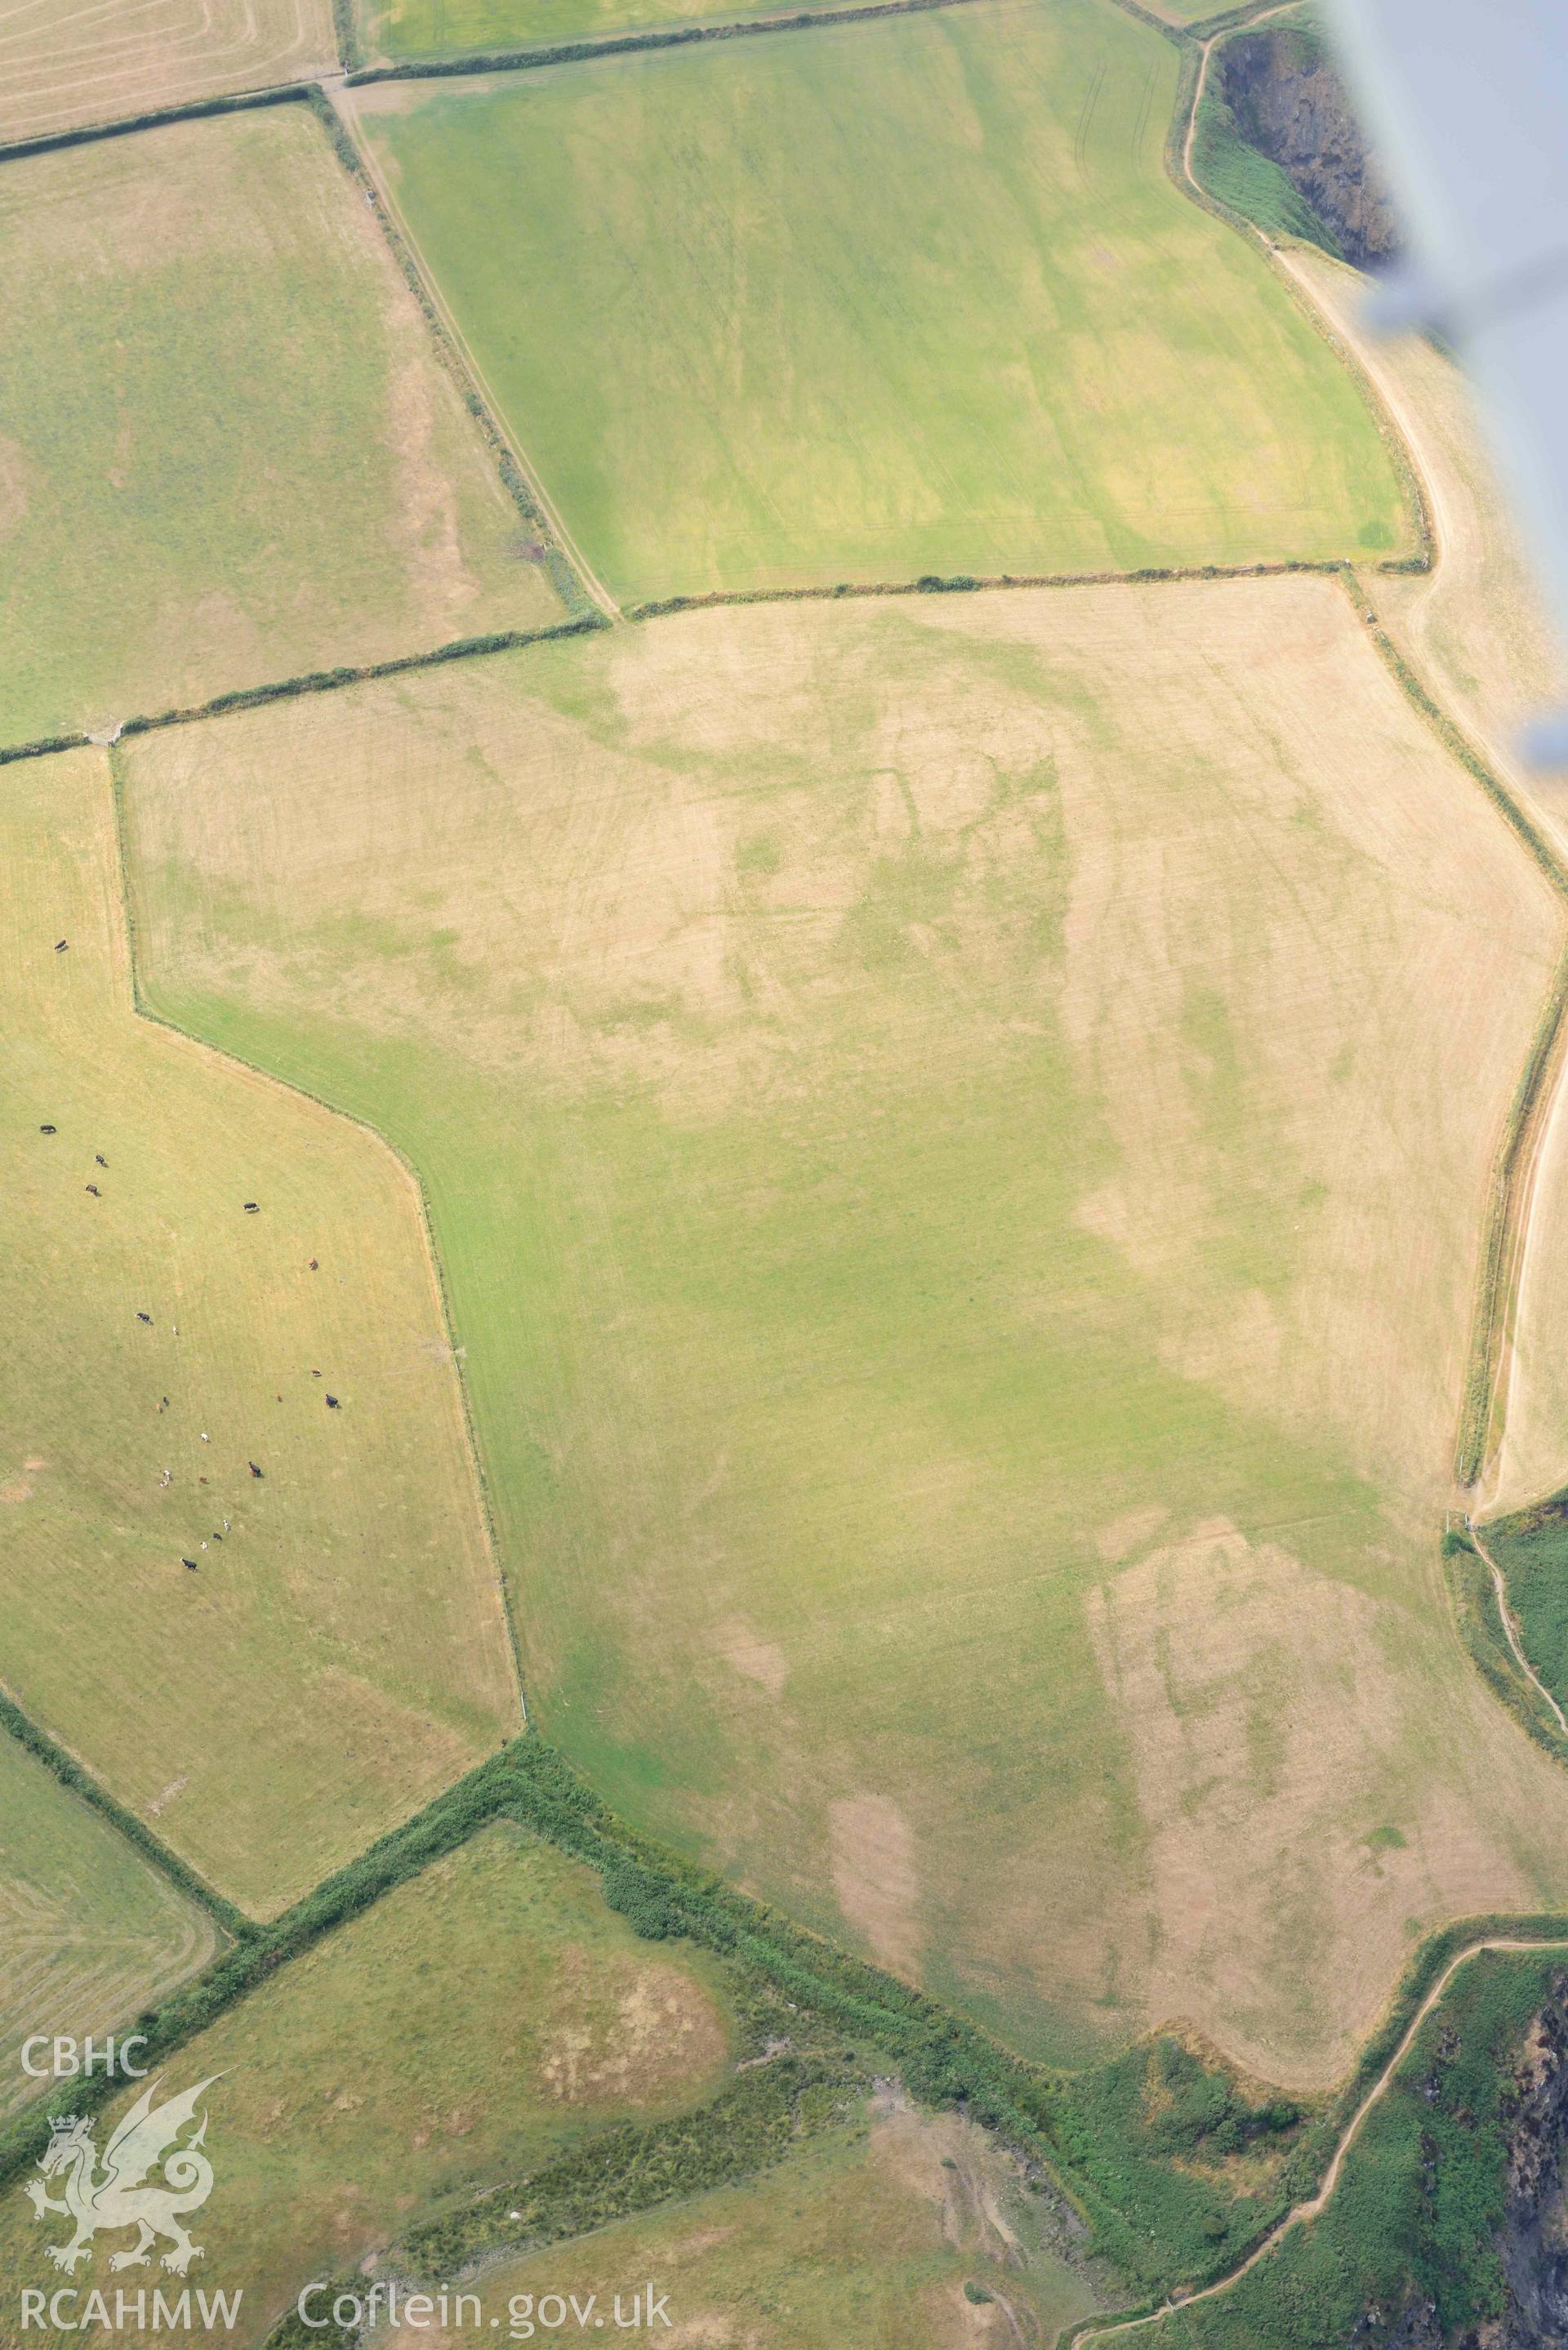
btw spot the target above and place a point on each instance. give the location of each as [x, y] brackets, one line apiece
[227, 450]
[64, 62]
[89, 1933]
[485, 2015]
[396, 29]
[878, 300]
[961, 1194]
[869, 2236]
[340, 1652]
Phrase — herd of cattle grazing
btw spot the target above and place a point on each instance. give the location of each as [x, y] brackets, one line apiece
[251, 1208]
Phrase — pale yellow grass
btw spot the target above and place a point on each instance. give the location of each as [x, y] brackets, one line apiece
[675, 883]
[65, 62]
[1477, 630]
[90, 1933]
[340, 1652]
[1474, 626]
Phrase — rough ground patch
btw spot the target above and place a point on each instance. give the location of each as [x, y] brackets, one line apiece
[339, 1652]
[869, 2234]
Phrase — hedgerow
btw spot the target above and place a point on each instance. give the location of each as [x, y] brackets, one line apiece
[559, 569]
[286, 93]
[561, 53]
[80, 1781]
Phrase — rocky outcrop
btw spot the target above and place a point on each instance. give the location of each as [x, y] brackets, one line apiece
[1288, 100]
[1534, 2241]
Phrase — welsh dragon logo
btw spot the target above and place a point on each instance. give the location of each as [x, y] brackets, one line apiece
[117, 2198]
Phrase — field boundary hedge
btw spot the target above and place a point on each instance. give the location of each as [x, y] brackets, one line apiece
[315, 681]
[64, 1766]
[942, 2058]
[194, 109]
[752, 2124]
[345, 31]
[1508, 1188]
[558, 566]
[965, 583]
[674, 37]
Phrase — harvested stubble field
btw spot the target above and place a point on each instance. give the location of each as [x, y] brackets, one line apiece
[69, 62]
[868, 2236]
[960, 1193]
[228, 453]
[878, 300]
[90, 1934]
[401, 29]
[483, 2017]
[340, 1652]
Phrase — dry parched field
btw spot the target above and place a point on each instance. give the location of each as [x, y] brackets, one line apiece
[1477, 632]
[228, 453]
[65, 62]
[960, 1183]
[89, 1934]
[478, 2020]
[339, 1652]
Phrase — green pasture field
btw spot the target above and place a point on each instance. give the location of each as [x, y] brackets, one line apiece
[916, 1098]
[340, 1653]
[485, 2015]
[867, 2235]
[400, 29]
[78, 61]
[878, 300]
[228, 453]
[89, 1933]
